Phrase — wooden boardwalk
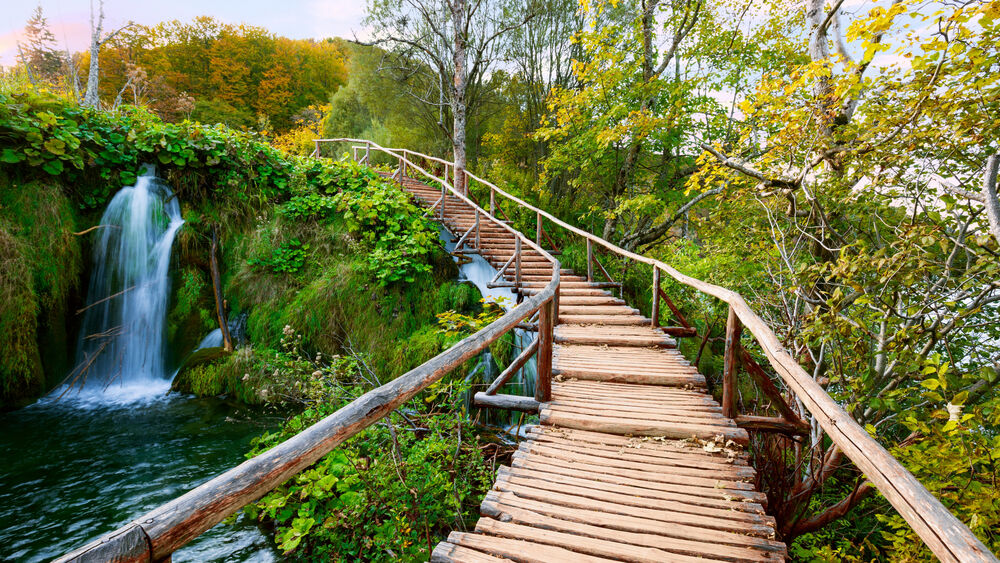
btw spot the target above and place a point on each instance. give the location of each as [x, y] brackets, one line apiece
[633, 459]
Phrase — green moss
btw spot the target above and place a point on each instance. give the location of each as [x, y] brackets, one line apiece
[40, 265]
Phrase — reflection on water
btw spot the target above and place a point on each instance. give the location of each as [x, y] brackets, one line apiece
[74, 469]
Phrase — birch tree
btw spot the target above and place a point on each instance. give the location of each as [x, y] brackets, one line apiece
[444, 52]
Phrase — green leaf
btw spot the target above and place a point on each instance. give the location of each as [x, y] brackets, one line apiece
[54, 167]
[931, 384]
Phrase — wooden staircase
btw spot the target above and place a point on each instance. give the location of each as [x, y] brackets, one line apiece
[632, 461]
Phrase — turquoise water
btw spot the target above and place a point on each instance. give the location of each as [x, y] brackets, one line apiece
[74, 469]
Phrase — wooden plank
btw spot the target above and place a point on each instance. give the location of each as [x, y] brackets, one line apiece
[651, 414]
[615, 425]
[645, 444]
[554, 480]
[712, 518]
[698, 484]
[593, 374]
[580, 544]
[447, 552]
[711, 497]
[521, 551]
[659, 516]
[520, 512]
[670, 452]
[730, 477]
[629, 523]
[693, 464]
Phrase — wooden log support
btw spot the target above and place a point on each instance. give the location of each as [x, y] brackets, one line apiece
[774, 424]
[771, 391]
[517, 364]
[493, 203]
[543, 363]
[731, 364]
[478, 244]
[673, 309]
[510, 402]
[590, 261]
[655, 315]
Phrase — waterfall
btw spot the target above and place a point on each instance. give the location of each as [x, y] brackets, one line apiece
[480, 272]
[121, 346]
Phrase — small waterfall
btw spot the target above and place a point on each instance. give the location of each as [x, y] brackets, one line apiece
[480, 272]
[121, 347]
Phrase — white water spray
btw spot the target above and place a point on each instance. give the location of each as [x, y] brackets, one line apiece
[122, 349]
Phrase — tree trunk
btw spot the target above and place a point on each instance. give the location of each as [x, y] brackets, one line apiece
[220, 307]
[990, 195]
[92, 98]
[458, 14]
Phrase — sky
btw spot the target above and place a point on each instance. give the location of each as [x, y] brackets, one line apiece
[69, 20]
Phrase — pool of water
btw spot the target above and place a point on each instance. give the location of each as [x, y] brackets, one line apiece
[76, 468]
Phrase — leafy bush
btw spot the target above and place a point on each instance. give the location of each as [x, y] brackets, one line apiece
[390, 493]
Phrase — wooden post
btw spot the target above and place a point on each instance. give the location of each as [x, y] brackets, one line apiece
[317, 148]
[368, 154]
[493, 203]
[444, 198]
[538, 228]
[590, 261]
[543, 362]
[478, 248]
[731, 364]
[354, 151]
[517, 262]
[656, 297]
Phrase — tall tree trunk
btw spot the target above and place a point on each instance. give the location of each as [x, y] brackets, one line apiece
[220, 303]
[92, 98]
[458, 14]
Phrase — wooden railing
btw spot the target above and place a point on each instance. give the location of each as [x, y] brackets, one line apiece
[158, 533]
[944, 534]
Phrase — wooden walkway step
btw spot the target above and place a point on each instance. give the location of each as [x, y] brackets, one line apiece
[631, 461]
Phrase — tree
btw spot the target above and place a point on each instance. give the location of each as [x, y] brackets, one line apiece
[97, 39]
[885, 284]
[627, 106]
[455, 41]
[38, 52]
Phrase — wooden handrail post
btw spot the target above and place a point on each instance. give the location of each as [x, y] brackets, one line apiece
[517, 262]
[478, 248]
[317, 147]
[354, 153]
[656, 297]
[731, 364]
[493, 203]
[590, 261]
[543, 379]
[368, 153]
[538, 228]
[444, 198]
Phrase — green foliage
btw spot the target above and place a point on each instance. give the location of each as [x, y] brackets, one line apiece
[287, 258]
[388, 494]
[98, 150]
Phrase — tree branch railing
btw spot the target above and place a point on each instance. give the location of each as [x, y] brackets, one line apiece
[944, 534]
[155, 535]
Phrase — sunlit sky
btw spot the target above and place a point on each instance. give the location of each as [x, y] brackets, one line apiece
[69, 20]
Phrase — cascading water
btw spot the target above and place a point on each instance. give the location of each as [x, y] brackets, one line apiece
[121, 349]
[480, 273]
